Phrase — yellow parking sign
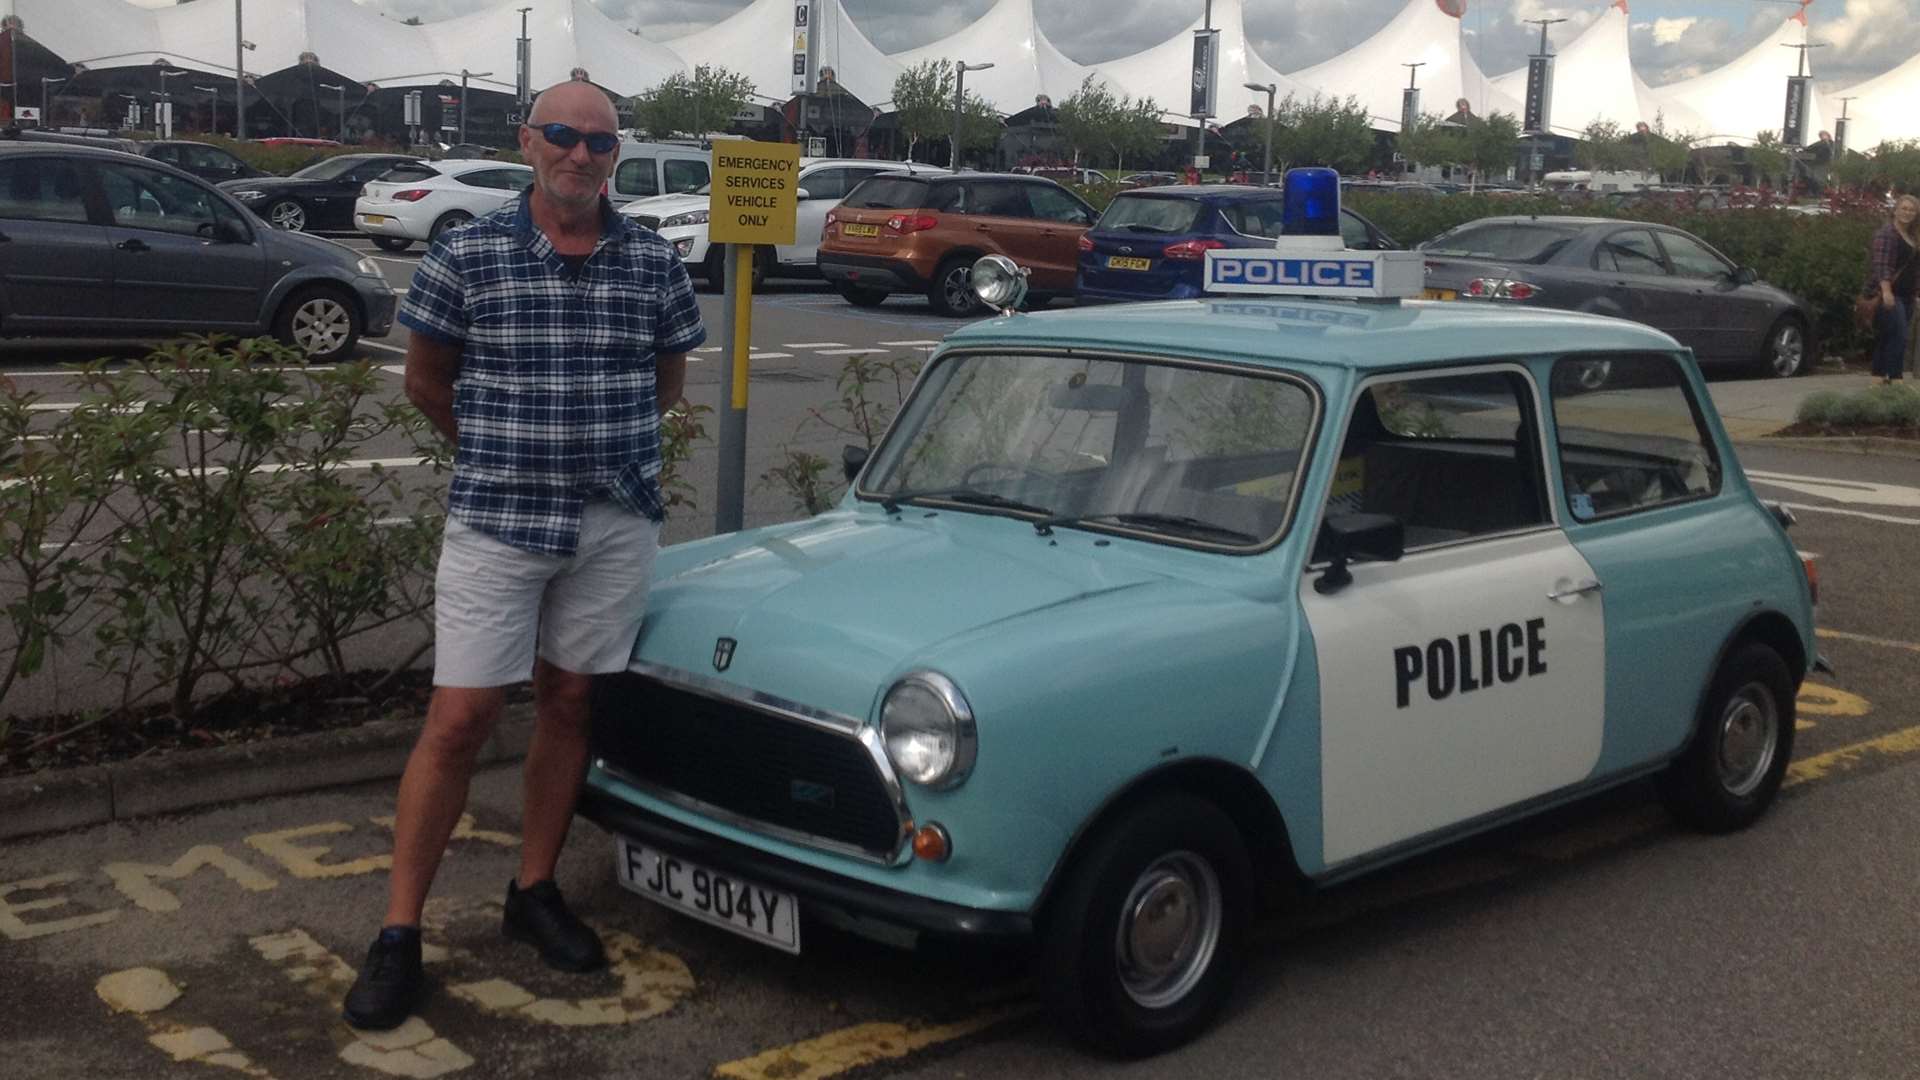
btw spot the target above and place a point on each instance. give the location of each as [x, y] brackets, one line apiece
[754, 185]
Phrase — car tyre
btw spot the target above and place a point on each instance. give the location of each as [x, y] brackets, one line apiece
[321, 322]
[859, 297]
[1733, 767]
[1783, 354]
[287, 214]
[392, 243]
[448, 222]
[1143, 941]
[951, 292]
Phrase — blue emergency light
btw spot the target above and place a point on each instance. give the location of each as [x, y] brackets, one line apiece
[1312, 206]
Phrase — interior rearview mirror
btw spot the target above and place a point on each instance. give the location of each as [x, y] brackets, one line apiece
[1345, 537]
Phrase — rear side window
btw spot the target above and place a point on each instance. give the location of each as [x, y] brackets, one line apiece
[1632, 251]
[1138, 213]
[890, 193]
[637, 177]
[1527, 242]
[683, 175]
[998, 198]
[41, 189]
[1631, 436]
[1255, 218]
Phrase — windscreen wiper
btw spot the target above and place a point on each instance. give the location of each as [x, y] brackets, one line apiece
[891, 503]
[1142, 517]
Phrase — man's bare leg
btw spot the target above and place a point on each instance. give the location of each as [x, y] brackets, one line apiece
[433, 791]
[556, 764]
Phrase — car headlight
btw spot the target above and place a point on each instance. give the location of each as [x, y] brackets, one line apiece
[370, 268]
[928, 729]
[249, 195]
[691, 217]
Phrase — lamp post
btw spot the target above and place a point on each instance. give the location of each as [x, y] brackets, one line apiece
[213, 105]
[167, 132]
[44, 116]
[523, 63]
[464, 76]
[1266, 163]
[342, 90]
[960, 69]
[240, 47]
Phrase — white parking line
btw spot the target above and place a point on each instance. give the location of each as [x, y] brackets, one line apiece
[1889, 518]
[388, 348]
[904, 344]
[812, 344]
[769, 356]
[848, 352]
[394, 369]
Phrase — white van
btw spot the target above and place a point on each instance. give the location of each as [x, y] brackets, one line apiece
[646, 169]
[1586, 180]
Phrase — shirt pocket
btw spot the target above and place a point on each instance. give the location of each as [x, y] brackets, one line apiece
[624, 313]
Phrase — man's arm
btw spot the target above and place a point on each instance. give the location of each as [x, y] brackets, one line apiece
[432, 365]
[669, 379]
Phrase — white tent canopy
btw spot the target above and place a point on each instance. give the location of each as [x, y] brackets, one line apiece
[757, 41]
[1162, 72]
[1025, 63]
[566, 34]
[1426, 32]
[1594, 80]
[1883, 109]
[1737, 102]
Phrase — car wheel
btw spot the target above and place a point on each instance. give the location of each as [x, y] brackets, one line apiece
[859, 297]
[1141, 945]
[320, 322]
[1784, 354]
[1732, 769]
[952, 293]
[392, 243]
[448, 221]
[288, 214]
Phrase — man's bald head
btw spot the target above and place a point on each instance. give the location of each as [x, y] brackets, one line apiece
[579, 105]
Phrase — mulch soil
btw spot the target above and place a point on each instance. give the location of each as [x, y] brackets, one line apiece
[1823, 431]
[247, 714]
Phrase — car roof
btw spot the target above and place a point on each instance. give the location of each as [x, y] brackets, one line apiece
[1285, 331]
[457, 166]
[89, 149]
[1549, 219]
[1218, 192]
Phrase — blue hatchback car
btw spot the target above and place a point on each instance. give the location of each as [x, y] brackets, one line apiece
[1152, 244]
[1140, 617]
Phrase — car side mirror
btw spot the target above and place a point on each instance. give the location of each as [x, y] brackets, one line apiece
[1344, 537]
[852, 460]
[1746, 275]
[802, 194]
[228, 231]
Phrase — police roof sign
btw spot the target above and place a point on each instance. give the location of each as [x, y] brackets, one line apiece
[754, 184]
[1353, 275]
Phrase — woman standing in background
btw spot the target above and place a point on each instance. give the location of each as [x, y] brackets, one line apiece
[1895, 259]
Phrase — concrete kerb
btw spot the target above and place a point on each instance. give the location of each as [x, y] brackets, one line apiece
[1878, 445]
[191, 779]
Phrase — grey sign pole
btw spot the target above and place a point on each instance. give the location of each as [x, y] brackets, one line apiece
[730, 488]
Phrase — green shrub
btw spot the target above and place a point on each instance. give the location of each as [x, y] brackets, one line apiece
[1876, 407]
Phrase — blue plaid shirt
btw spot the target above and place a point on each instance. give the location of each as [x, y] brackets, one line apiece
[555, 400]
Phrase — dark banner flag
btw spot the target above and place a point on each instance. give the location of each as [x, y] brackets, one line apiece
[1539, 104]
[1793, 131]
[1206, 74]
[1409, 109]
[1839, 137]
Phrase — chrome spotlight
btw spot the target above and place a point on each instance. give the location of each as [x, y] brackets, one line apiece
[1000, 283]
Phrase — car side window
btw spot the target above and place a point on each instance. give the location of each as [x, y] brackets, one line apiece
[1693, 259]
[409, 172]
[998, 199]
[158, 202]
[168, 154]
[1052, 204]
[951, 198]
[682, 175]
[1630, 251]
[1453, 456]
[210, 160]
[1632, 438]
[42, 189]
[1353, 231]
[637, 177]
[826, 183]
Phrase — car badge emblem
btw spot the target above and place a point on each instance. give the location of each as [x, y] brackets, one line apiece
[811, 793]
[1126, 251]
[723, 653]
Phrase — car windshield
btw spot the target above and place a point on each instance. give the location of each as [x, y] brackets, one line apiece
[888, 193]
[1180, 454]
[1139, 213]
[1525, 242]
[326, 168]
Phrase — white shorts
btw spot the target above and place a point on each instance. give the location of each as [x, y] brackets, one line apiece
[495, 605]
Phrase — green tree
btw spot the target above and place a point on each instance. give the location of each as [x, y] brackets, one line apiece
[1491, 144]
[1095, 120]
[1322, 131]
[1669, 153]
[923, 102]
[692, 104]
[1432, 141]
[1605, 148]
[1768, 158]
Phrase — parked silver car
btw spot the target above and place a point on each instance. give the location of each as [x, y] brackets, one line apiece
[100, 244]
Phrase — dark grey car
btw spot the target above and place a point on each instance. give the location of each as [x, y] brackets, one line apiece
[96, 243]
[1653, 274]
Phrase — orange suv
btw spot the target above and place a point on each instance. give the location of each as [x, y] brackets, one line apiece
[922, 234]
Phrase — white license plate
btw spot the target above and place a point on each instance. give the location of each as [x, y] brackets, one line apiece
[374, 219]
[766, 915]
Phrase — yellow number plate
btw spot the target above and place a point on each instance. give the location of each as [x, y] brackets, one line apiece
[374, 219]
[1119, 262]
[857, 229]
[1438, 294]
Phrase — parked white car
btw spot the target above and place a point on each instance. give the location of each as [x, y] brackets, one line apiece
[421, 201]
[823, 182]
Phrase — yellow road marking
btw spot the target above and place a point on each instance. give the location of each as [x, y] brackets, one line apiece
[1822, 766]
[14, 928]
[861, 1045]
[1842, 635]
[135, 880]
[410, 1050]
[144, 991]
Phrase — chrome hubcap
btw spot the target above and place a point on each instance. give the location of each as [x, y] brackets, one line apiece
[289, 216]
[321, 325]
[1169, 928]
[1749, 738]
[959, 286]
[1789, 349]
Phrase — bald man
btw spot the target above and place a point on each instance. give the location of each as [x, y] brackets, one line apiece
[547, 338]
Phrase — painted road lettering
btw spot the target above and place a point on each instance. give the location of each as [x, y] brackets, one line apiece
[1471, 661]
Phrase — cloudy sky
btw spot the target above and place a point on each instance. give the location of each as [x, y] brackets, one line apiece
[1672, 39]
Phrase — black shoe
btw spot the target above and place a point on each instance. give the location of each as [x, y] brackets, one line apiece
[390, 982]
[538, 916]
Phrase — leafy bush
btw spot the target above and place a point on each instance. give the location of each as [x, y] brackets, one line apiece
[872, 389]
[1877, 407]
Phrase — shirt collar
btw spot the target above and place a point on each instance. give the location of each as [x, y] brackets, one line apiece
[611, 226]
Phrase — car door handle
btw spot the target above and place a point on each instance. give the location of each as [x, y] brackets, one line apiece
[134, 244]
[1591, 585]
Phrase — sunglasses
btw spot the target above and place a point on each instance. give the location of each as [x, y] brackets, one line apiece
[566, 138]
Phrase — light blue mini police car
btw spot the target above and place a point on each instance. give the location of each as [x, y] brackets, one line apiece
[1141, 615]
